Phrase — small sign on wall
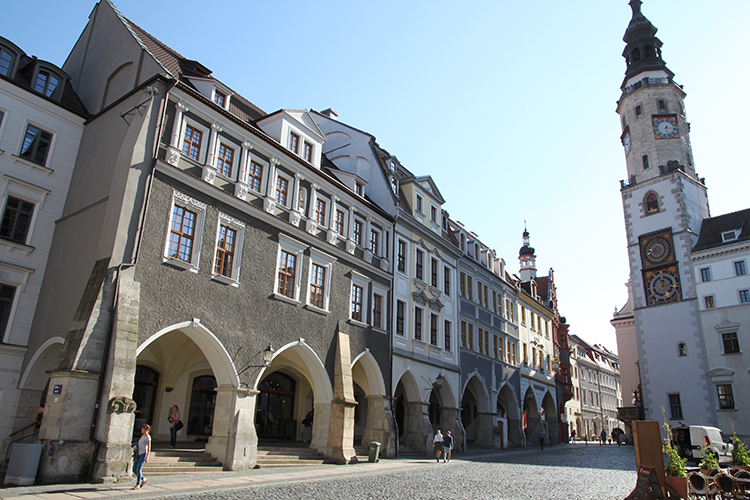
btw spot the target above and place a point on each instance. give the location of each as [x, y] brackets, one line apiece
[57, 389]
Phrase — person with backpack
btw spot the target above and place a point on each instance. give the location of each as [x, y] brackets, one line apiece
[447, 446]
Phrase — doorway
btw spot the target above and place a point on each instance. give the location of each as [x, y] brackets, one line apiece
[144, 395]
[202, 405]
[274, 418]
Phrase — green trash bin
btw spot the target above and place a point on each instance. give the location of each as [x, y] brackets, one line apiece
[374, 451]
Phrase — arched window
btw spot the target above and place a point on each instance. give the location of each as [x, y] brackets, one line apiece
[8, 59]
[648, 51]
[636, 54]
[652, 203]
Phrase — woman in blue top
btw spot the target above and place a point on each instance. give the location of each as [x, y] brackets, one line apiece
[144, 448]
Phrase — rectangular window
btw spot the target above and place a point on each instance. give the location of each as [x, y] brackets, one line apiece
[255, 174]
[6, 59]
[36, 145]
[307, 152]
[420, 265]
[709, 301]
[726, 398]
[434, 321]
[359, 188]
[6, 304]
[357, 303]
[401, 256]
[470, 287]
[400, 312]
[294, 143]
[225, 251]
[706, 274]
[417, 323]
[646, 164]
[339, 222]
[744, 296]
[320, 211]
[433, 213]
[471, 337]
[447, 281]
[464, 338]
[420, 203]
[377, 310]
[191, 144]
[462, 279]
[16, 220]
[675, 407]
[486, 296]
[282, 190]
[513, 355]
[220, 98]
[181, 234]
[358, 233]
[728, 236]
[739, 268]
[480, 343]
[447, 330]
[225, 160]
[731, 343]
[287, 271]
[434, 272]
[487, 342]
[375, 242]
[317, 285]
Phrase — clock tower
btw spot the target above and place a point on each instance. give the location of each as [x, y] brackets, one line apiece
[664, 203]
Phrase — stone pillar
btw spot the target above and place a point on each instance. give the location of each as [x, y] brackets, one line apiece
[451, 421]
[379, 425]
[269, 204]
[418, 433]
[173, 153]
[350, 244]
[209, 169]
[297, 211]
[515, 433]
[233, 439]
[533, 426]
[114, 426]
[486, 426]
[241, 187]
[331, 235]
[312, 219]
[341, 434]
[321, 428]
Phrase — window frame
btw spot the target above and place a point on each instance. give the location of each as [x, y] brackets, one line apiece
[726, 397]
[419, 264]
[357, 228]
[293, 142]
[321, 211]
[56, 92]
[195, 126]
[434, 272]
[339, 223]
[401, 318]
[199, 209]
[730, 343]
[375, 241]
[709, 302]
[447, 273]
[418, 324]
[239, 228]
[277, 193]
[675, 406]
[35, 146]
[744, 296]
[363, 282]
[740, 268]
[705, 274]
[434, 330]
[222, 162]
[324, 261]
[253, 165]
[295, 248]
[13, 59]
[401, 256]
[447, 335]
[307, 151]
[381, 292]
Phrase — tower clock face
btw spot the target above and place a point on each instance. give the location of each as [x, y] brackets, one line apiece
[663, 286]
[626, 143]
[665, 127]
[657, 250]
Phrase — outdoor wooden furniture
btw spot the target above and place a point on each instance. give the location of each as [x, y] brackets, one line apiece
[700, 487]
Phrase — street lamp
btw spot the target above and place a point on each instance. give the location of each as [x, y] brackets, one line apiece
[267, 358]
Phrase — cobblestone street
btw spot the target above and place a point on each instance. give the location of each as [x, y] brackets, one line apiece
[565, 472]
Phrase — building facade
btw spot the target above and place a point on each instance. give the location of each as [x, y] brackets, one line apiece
[41, 124]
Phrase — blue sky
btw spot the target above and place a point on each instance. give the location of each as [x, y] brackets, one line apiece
[510, 106]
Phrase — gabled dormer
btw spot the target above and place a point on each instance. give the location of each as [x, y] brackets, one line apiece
[48, 80]
[212, 89]
[352, 181]
[297, 131]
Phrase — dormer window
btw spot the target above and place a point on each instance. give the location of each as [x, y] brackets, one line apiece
[220, 98]
[420, 204]
[46, 83]
[6, 61]
[307, 151]
[729, 235]
[359, 188]
[294, 143]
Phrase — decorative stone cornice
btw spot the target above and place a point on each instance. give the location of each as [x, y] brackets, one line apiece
[121, 404]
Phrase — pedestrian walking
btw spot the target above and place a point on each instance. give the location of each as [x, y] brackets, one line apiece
[173, 419]
[603, 437]
[573, 435]
[144, 448]
[437, 444]
[447, 446]
[307, 423]
[542, 437]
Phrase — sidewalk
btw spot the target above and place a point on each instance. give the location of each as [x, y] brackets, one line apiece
[163, 486]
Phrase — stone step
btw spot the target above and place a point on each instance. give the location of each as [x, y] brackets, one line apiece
[164, 471]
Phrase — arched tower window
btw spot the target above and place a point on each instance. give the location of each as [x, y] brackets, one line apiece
[636, 54]
[648, 51]
[652, 203]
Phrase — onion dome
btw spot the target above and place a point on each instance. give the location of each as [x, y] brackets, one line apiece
[643, 50]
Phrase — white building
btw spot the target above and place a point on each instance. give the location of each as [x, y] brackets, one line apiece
[41, 122]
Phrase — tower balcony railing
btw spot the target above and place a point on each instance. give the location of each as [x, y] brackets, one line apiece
[645, 82]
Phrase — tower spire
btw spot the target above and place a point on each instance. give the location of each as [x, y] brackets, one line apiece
[643, 50]
[526, 257]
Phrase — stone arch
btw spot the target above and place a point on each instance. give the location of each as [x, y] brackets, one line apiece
[478, 419]
[549, 418]
[651, 202]
[35, 376]
[211, 347]
[532, 422]
[373, 420]
[512, 424]
[412, 408]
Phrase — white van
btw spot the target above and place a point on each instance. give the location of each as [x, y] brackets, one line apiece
[689, 439]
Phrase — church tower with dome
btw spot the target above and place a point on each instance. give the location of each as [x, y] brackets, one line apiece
[664, 203]
[527, 258]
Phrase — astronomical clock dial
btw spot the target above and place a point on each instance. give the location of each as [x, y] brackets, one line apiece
[657, 249]
[663, 286]
[665, 127]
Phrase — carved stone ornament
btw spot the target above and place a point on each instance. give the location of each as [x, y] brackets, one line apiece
[188, 200]
[368, 256]
[173, 156]
[295, 217]
[269, 205]
[384, 264]
[331, 236]
[121, 404]
[312, 226]
[209, 174]
[240, 190]
[350, 246]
